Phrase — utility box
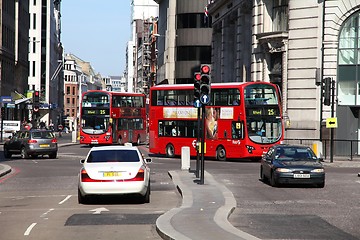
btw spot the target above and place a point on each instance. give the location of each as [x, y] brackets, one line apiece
[317, 148]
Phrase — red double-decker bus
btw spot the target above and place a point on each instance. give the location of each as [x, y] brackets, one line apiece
[112, 117]
[242, 120]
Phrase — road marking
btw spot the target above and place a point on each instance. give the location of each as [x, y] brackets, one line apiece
[358, 181]
[28, 230]
[45, 213]
[98, 210]
[67, 197]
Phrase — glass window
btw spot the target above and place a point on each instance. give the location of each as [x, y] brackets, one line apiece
[349, 62]
[113, 156]
[280, 15]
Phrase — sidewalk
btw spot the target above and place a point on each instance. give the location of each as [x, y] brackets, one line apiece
[204, 211]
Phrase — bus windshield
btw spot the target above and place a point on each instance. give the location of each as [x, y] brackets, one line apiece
[263, 117]
[95, 112]
[264, 130]
[94, 124]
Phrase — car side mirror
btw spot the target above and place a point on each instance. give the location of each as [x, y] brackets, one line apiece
[82, 161]
[148, 160]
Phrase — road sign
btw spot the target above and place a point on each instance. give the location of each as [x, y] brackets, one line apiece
[6, 99]
[197, 103]
[331, 123]
[204, 99]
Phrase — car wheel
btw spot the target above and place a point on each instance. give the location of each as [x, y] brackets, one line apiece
[221, 153]
[170, 150]
[81, 199]
[23, 153]
[262, 175]
[321, 185]
[146, 197]
[7, 154]
[273, 181]
[53, 155]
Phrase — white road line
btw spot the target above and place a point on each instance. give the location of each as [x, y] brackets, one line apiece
[67, 197]
[358, 181]
[45, 213]
[28, 230]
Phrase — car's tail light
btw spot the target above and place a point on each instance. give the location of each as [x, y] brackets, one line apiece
[54, 140]
[140, 176]
[85, 177]
[32, 141]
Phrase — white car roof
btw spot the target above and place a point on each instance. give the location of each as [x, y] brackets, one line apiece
[102, 148]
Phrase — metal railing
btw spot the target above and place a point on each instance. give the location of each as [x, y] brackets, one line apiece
[343, 148]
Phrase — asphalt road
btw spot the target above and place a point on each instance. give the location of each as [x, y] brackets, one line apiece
[39, 200]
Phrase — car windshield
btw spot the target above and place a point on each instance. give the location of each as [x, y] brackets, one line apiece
[42, 135]
[113, 156]
[295, 153]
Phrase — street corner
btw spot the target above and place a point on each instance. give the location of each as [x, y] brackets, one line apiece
[4, 169]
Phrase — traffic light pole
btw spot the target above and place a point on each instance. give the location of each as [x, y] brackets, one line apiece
[332, 115]
[197, 171]
[202, 146]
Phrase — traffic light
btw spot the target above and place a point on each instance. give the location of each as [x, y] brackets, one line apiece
[327, 90]
[36, 101]
[205, 83]
[36, 97]
[197, 78]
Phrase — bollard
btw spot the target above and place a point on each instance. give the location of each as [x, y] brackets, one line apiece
[73, 136]
[317, 148]
[185, 158]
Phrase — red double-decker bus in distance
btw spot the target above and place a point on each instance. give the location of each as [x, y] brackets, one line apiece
[242, 120]
[112, 117]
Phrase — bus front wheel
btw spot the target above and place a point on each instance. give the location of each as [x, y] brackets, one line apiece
[221, 153]
[170, 150]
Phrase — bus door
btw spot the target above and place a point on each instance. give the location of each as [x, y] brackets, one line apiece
[114, 127]
[130, 128]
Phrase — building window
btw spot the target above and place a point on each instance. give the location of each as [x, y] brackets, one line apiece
[33, 68]
[280, 15]
[349, 62]
[193, 20]
[34, 21]
[194, 53]
[68, 101]
[68, 90]
[73, 91]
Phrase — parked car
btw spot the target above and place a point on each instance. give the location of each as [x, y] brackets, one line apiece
[114, 170]
[292, 164]
[34, 142]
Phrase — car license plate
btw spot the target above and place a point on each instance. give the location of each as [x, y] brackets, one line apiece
[301, 175]
[112, 174]
[44, 145]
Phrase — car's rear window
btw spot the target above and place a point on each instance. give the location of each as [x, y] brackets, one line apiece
[42, 135]
[113, 156]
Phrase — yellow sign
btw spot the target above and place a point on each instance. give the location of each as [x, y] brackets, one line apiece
[200, 147]
[331, 123]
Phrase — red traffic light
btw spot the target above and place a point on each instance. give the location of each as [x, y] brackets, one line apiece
[205, 69]
[36, 93]
[197, 76]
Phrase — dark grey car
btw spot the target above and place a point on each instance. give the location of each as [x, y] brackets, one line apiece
[290, 164]
[32, 143]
